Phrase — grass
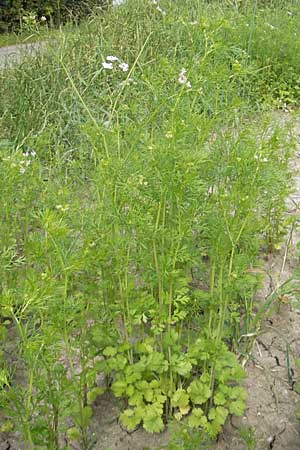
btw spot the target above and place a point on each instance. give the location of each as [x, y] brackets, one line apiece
[137, 203]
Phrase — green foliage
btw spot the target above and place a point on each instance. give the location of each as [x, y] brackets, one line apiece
[20, 13]
[135, 209]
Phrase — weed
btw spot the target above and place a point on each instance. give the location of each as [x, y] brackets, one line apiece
[138, 195]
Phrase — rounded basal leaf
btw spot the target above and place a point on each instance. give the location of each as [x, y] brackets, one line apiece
[142, 385]
[154, 384]
[119, 388]
[178, 416]
[130, 418]
[181, 365]
[237, 393]
[218, 414]
[237, 408]
[155, 362]
[180, 399]
[94, 393]
[73, 434]
[136, 399]
[118, 362]
[152, 420]
[160, 398]
[129, 390]
[197, 419]
[148, 395]
[199, 392]
[219, 399]
[110, 351]
[184, 411]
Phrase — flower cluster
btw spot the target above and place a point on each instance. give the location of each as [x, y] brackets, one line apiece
[24, 163]
[111, 61]
[260, 158]
[158, 8]
[182, 79]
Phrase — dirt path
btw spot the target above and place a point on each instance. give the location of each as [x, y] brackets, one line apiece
[13, 53]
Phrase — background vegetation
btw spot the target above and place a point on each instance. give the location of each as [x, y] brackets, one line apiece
[13, 13]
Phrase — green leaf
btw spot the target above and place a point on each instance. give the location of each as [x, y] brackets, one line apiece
[136, 398]
[213, 428]
[7, 427]
[297, 363]
[94, 393]
[297, 387]
[119, 362]
[180, 399]
[148, 395]
[237, 393]
[142, 385]
[219, 398]
[86, 415]
[197, 419]
[119, 388]
[199, 392]
[123, 347]
[181, 365]
[154, 384]
[110, 351]
[73, 434]
[155, 362]
[130, 418]
[133, 373]
[129, 390]
[152, 420]
[218, 414]
[160, 398]
[237, 408]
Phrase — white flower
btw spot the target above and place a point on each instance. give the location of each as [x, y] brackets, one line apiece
[25, 154]
[108, 66]
[22, 170]
[43, 19]
[112, 58]
[161, 10]
[28, 163]
[117, 2]
[154, 2]
[182, 79]
[33, 153]
[124, 66]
